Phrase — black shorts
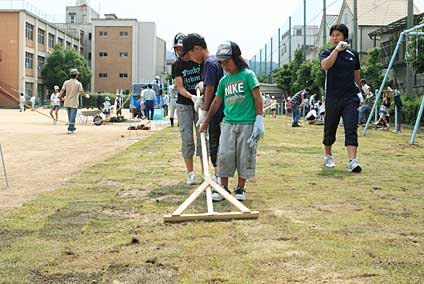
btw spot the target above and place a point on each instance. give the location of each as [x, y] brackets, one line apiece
[346, 108]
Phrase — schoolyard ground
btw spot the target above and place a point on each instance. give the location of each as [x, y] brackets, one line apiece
[103, 223]
[40, 156]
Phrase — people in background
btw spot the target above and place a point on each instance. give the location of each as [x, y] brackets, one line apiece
[22, 100]
[55, 104]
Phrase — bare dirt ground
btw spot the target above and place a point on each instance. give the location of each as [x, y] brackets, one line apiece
[40, 156]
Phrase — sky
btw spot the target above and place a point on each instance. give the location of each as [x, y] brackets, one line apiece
[248, 23]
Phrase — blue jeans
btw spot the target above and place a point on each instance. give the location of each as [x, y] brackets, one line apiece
[72, 114]
[150, 109]
[296, 113]
[363, 110]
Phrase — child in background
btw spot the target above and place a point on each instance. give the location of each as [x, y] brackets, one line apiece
[55, 104]
[106, 107]
[22, 102]
[243, 125]
[32, 100]
[384, 112]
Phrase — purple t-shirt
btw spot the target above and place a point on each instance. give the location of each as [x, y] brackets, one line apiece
[211, 75]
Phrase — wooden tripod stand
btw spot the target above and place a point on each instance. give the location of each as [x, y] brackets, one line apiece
[178, 216]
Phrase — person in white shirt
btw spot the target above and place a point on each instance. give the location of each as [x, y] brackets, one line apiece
[165, 102]
[22, 102]
[55, 104]
[149, 101]
[173, 96]
[32, 100]
[106, 107]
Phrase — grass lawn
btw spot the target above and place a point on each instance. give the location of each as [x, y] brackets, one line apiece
[315, 225]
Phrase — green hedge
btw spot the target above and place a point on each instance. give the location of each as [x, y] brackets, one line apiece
[410, 108]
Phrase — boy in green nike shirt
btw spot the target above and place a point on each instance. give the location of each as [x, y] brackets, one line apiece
[243, 123]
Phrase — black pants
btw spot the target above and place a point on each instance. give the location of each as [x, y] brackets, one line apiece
[165, 110]
[214, 134]
[347, 108]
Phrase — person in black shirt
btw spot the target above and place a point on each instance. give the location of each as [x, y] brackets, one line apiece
[342, 67]
[211, 74]
[187, 75]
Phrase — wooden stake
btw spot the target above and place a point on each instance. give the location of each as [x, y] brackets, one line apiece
[4, 167]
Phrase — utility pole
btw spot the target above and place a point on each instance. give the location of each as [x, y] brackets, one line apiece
[265, 60]
[304, 29]
[409, 71]
[290, 40]
[270, 69]
[279, 47]
[324, 22]
[260, 62]
[355, 25]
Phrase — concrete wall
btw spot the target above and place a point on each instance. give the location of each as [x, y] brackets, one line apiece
[160, 58]
[148, 52]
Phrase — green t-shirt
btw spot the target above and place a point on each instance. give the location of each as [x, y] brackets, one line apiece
[236, 90]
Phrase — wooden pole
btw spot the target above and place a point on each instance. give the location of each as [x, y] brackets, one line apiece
[4, 167]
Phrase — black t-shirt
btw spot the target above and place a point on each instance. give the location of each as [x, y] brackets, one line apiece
[211, 75]
[341, 77]
[191, 74]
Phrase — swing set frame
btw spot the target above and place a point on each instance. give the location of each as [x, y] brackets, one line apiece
[403, 37]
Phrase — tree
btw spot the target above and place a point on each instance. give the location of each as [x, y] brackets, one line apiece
[262, 78]
[283, 77]
[318, 76]
[415, 52]
[60, 62]
[372, 70]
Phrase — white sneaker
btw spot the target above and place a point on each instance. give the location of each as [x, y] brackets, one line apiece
[353, 166]
[70, 132]
[217, 180]
[329, 162]
[216, 197]
[191, 178]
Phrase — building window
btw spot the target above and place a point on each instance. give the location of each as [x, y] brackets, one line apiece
[103, 54]
[103, 75]
[299, 32]
[40, 92]
[41, 36]
[68, 44]
[89, 36]
[40, 63]
[29, 58]
[103, 34]
[123, 75]
[51, 41]
[29, 87]
[29, 31]
[60, 41]
[123, 54]
[72, 18]
[125, 34]
[76, 47]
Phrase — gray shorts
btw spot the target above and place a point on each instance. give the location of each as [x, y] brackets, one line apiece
[187, 119]
[172, 108]
[234, 152]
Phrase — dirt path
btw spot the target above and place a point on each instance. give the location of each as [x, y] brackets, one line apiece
[40, 156]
